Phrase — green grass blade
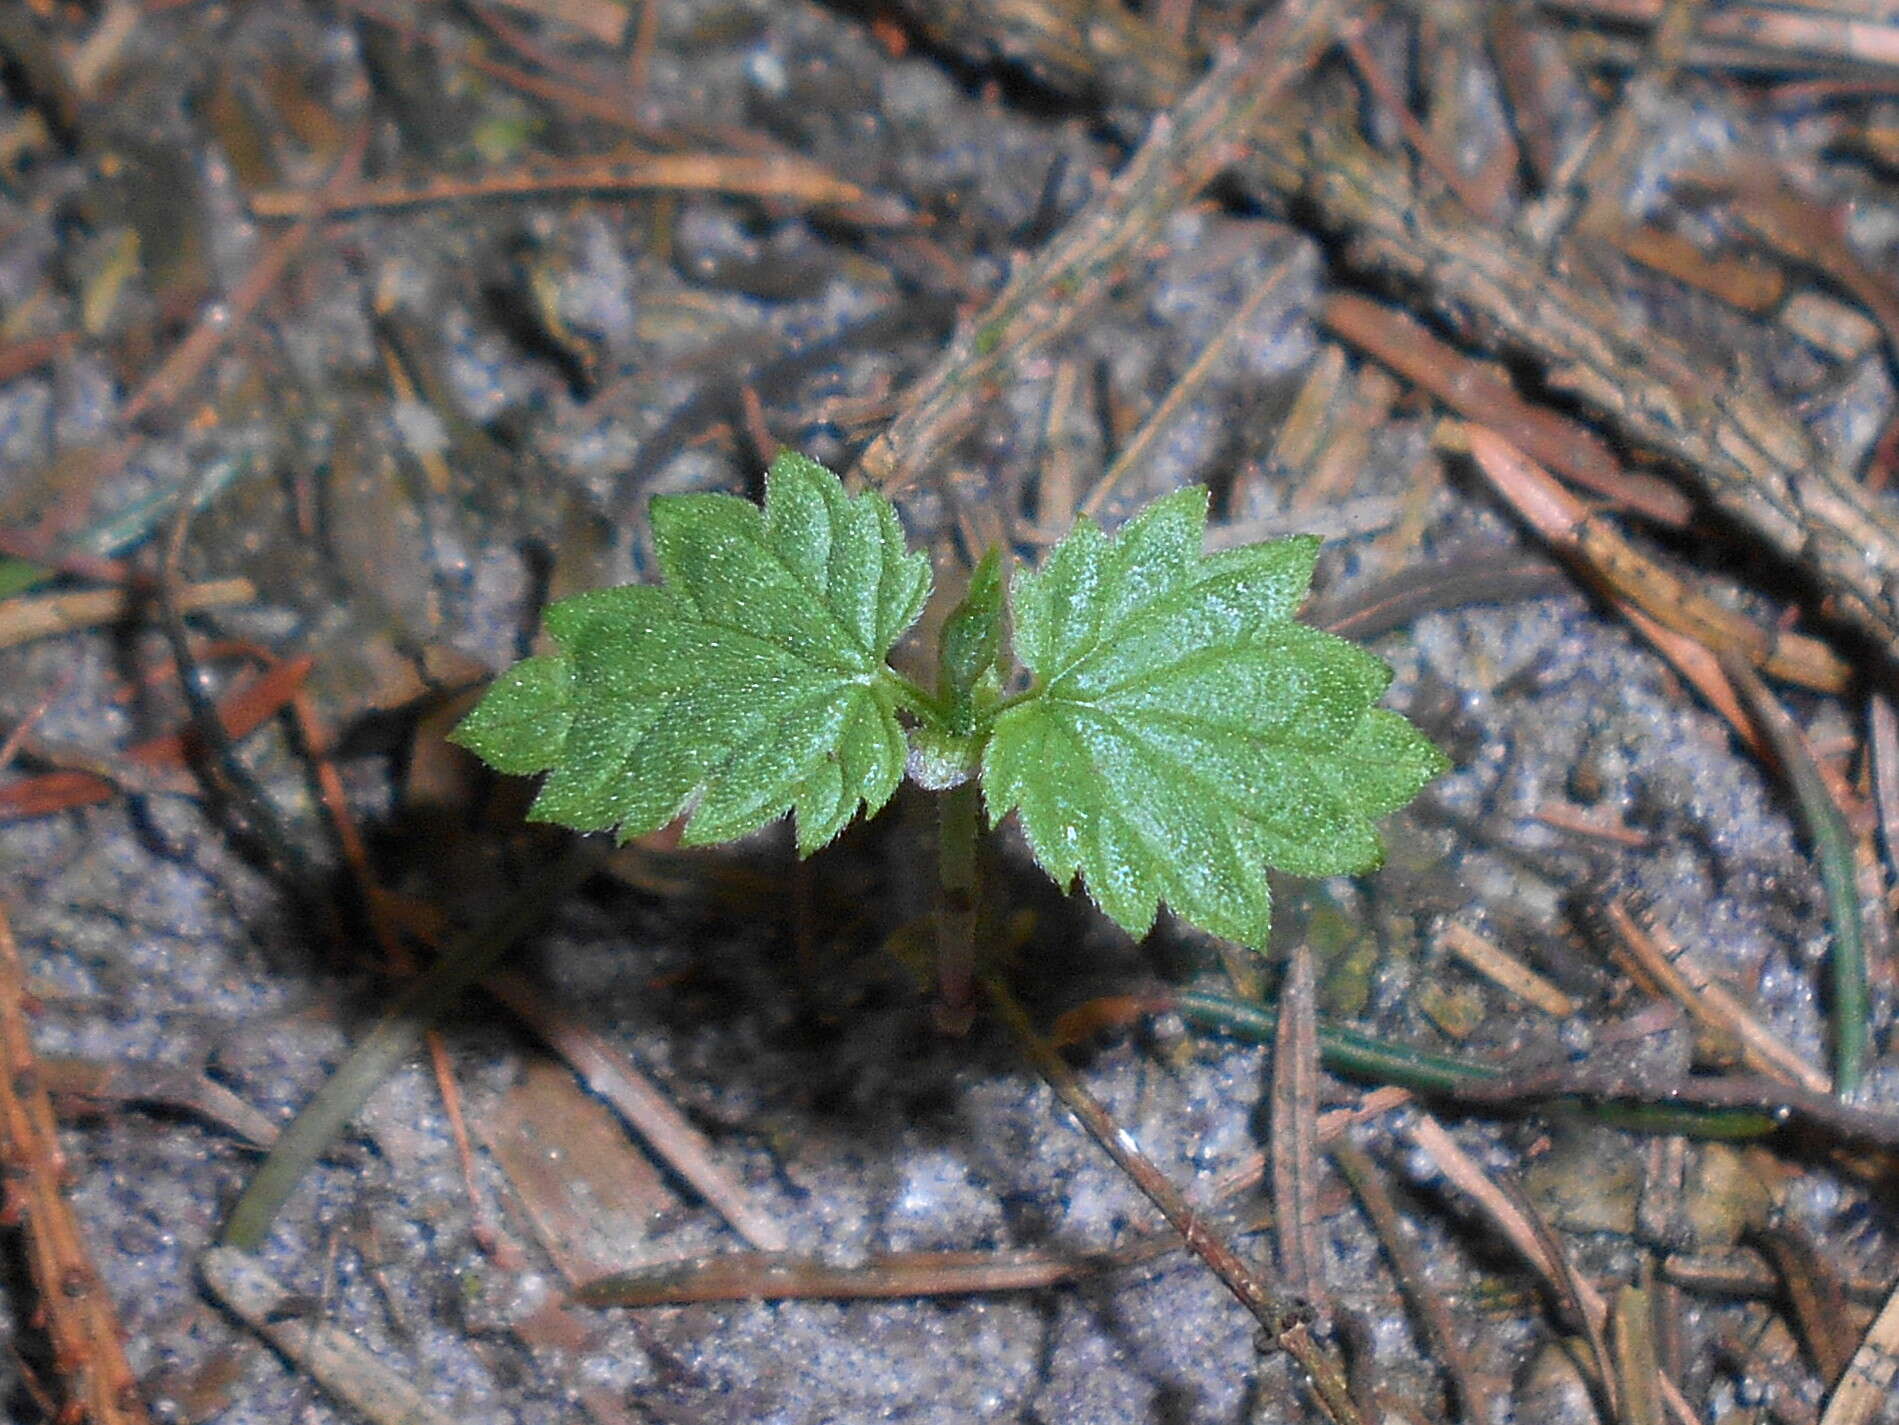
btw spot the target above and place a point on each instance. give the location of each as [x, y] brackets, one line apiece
[427, 997]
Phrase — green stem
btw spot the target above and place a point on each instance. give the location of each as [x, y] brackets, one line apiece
[1839, 877]
[958, 828]
[1351, 1053]
[912, 698]
[1347, 1052]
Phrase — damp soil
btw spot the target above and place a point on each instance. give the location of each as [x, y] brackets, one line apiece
[441, 415]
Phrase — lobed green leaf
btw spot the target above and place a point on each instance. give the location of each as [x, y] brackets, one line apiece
[749, 683]
[1183, 733]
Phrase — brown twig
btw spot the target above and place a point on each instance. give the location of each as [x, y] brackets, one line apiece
[779, 176]
[225, 771]
[1611, 563]
[773, 1276]
[1653, 955]
[82, 1087]
[49, 615]
[1538, 1246]
[1502, 968]
[18, 358]
[1743, 1273]
[1282, 1322]
[1731, 437]
[1454, 582]
[331, 1354]
[1637, 1363]
[1183, 151]
[1482, 393]
[1470, 1387]
[639, 57]
[80, 1318]
[1295, 1137]
[1757, 33]
[23, 729]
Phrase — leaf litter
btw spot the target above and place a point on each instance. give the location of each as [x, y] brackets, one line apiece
[135, 910]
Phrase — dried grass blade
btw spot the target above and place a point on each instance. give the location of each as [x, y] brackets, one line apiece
[1295, 1136]
[772, 1276]
[1636, 1367]
[1469, 1387]
[778, 176]
[331, 1355]
[1867, 1383]
[1534, 1242]
[1649, 952]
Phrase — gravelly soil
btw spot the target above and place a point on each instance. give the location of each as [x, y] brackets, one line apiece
[593, 350]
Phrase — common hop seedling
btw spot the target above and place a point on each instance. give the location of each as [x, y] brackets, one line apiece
[1154, 716]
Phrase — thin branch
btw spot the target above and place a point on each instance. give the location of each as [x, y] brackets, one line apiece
[1732, 439]
[1471, 1388]
[80, 1318]
[1295, 1136]
[330, 1354]
[1183, 151]
[1282, 1322]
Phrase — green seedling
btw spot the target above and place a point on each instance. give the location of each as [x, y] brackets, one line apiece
[1162, 728]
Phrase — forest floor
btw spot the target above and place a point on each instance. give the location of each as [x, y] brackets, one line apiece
[337, 339]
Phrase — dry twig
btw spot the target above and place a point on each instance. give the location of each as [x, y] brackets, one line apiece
[1185, 149]
[1281, 1322]
[1539, 1248]
[778, 176]
[1295, 1137]
[1867, 1383]
[80, 1319]
[49, 615]
[1480, 392]
[1496, 964]
[1471, 1387]
[1735, 442]
[1651, 954]
[1615, 566]
[331, 1354]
